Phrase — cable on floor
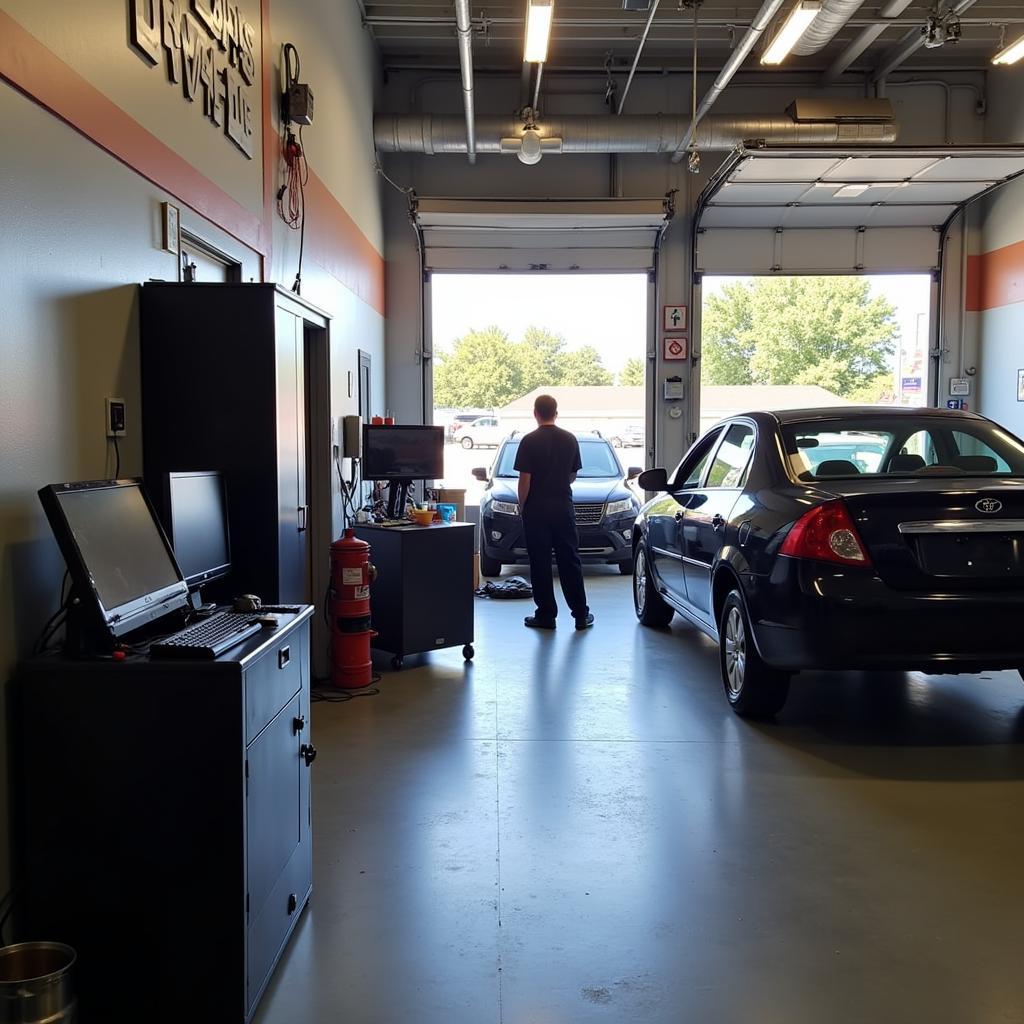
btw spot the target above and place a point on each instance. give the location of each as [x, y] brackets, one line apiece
[324, 692]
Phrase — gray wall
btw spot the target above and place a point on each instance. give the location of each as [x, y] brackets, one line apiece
[80, 230]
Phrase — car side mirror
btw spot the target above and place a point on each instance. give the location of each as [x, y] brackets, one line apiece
[633, 472]
[653, 480]
[480, 473]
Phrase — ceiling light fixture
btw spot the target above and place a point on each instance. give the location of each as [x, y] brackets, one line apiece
[538, 30]
[850, 191]
[1010, 54]
[792, 29]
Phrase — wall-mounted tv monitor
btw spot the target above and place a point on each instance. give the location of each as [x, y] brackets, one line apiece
[196, 519]
[402, 452]
[121, 564]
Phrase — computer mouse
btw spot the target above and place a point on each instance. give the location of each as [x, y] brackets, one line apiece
[267, 621]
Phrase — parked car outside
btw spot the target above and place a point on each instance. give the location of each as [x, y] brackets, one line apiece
[605, 508]
[483, 432]
[911, 558]
[629, 436]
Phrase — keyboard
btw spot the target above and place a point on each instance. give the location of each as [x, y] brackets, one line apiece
[209, 638]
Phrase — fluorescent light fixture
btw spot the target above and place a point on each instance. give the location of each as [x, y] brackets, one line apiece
[538, 30]
[1010, 54]
[850, 191]
[792, 29]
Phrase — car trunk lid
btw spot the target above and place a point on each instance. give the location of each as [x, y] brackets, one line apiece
[957, 533]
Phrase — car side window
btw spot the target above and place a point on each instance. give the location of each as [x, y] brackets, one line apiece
[689, 472]
[732, 457]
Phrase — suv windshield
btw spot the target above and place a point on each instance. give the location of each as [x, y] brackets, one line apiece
[597, 457]
[900, 446]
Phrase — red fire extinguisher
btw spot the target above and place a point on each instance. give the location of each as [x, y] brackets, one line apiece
[349, 606]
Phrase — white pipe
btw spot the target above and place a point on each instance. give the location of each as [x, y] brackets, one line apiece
[912, 42]
[761, 21]
[639, 50]
[893, 9]
[465, 30]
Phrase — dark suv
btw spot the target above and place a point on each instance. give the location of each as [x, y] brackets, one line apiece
[605, 509]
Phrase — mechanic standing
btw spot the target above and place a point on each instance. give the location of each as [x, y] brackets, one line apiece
[548, 460]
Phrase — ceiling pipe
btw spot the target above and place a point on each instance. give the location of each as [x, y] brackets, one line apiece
[834, 14]
[912, 42]
[631, 133]
[893, 9]
[639, 50]
[465, 30]
[761, 21]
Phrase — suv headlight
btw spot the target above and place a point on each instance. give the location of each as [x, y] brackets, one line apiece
[616, 508]
[508, 508]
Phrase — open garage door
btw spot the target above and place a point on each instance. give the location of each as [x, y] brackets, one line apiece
[835, 211]
[554, 235]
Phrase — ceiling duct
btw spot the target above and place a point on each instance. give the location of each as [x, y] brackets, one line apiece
[834, 14]
[630, 133]
[465, 29]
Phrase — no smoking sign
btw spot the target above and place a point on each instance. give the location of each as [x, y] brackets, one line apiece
[676, 347]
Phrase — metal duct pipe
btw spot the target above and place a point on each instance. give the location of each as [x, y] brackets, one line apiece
[630, 133]
[761, 21]
[893, 9]
[913, 41]
[834, 14]
[465, 29]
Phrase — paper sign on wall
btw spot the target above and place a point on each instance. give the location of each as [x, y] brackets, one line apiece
[959, 386]
[676, 347]
[675, 318]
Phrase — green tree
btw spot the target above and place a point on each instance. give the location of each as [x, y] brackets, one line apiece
[583, 366]
[799, 330]
[632, 373]
[482, 370]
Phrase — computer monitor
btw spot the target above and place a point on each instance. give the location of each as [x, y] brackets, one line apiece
[196, 519]
[121, 565]
[402, 452]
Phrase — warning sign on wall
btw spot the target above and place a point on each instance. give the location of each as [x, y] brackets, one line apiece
[676, 347]
[675, 318]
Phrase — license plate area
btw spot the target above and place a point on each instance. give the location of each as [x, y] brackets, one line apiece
[972, 556]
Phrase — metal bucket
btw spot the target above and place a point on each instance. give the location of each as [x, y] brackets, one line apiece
[36, 985]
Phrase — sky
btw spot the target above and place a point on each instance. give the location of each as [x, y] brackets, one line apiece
[608, 310]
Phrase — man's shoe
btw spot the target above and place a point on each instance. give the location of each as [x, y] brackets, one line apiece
[536, 623]
[585, 622]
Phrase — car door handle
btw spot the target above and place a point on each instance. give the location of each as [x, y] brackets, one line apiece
[717, 521]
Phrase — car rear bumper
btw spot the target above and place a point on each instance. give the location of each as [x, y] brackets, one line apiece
[812, 615]
[599, 545]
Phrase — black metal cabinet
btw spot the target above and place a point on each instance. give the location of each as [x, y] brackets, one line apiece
[422, 599]
[226, 385]
[165, 824]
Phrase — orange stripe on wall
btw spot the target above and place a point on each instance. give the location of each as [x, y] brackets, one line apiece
[34, 70]
[995, 278]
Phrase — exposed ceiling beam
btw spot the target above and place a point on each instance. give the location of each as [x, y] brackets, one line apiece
[913, 41]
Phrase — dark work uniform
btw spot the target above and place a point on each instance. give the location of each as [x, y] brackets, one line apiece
[552, 456]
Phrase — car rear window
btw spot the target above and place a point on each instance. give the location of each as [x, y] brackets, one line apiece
[597, 457]
[900, 446]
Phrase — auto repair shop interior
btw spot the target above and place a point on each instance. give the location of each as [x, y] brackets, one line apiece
[781, 776]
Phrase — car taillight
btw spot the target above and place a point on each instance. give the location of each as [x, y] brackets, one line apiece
[827, 534]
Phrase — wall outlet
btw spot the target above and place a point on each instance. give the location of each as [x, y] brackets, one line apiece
[116, 426]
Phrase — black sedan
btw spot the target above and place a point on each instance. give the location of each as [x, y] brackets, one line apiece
[604, 506]
[852, 538]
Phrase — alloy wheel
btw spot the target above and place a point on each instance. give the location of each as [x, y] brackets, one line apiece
[640, 581]
[735, 651]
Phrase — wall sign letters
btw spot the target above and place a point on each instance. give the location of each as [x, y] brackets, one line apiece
[210, 52]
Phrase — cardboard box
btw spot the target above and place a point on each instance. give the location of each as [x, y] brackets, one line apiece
[454, 496]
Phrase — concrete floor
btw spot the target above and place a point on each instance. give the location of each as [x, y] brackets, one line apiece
[577, 828]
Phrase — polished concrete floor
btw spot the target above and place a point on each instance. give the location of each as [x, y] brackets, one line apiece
[576, 828]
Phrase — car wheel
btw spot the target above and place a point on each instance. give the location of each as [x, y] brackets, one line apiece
[489, 566]
[467, 443]
[651, 610]
[753, 688]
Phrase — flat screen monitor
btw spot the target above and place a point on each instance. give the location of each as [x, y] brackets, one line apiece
[197, 525]
[119, 559]
[402, 452]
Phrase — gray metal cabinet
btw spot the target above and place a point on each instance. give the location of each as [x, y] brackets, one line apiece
[164, 823]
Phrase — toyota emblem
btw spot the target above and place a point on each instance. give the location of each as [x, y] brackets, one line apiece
[988, 505]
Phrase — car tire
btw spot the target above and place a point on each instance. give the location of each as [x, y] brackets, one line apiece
[626, 568]
[467, 443]
[753, 689]
[489, 566]
[650, 609]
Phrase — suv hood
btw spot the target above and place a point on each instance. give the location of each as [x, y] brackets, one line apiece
[591, 490]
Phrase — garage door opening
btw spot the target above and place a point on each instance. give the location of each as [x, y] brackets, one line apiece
[792, 342]
[501, 339]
